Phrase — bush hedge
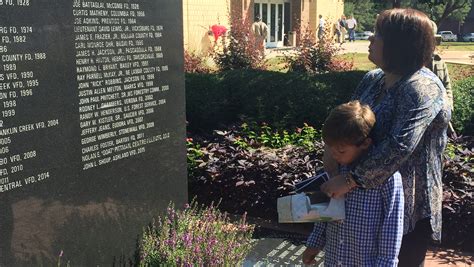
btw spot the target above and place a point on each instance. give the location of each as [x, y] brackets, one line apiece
[287, 100]
[283, 100]
[463, 116]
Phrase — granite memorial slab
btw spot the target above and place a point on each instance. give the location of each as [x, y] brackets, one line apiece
[268, 252]
[92, 127]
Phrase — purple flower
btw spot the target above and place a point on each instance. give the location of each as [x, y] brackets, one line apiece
[170, 242]
[187, 239]
[61, 253]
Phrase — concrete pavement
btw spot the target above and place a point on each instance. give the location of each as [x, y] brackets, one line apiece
[277, 250]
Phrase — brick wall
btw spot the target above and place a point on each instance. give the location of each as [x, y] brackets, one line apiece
[198, 17]
[331, 11]
[306, 12]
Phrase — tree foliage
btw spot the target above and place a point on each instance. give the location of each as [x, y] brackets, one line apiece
[439, 11]
[364, 12]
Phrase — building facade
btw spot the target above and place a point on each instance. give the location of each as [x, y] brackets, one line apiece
[281, 16]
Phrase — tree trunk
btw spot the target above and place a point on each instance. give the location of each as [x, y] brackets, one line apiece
[450, 7]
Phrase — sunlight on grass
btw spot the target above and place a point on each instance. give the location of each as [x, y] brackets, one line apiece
[361, 61]
[460, 71]
[277, 64]
[457, 46]
[456, 71]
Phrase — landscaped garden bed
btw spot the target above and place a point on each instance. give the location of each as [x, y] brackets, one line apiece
[256, 145]
[253, 134]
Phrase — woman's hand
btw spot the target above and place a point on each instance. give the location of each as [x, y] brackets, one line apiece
[309, 255]
[336, 186]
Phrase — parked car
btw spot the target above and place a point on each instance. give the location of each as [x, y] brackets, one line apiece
[363, 35]
[468, 37]
[447, 36]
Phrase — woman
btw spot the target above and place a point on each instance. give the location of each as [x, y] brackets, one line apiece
[410, 133]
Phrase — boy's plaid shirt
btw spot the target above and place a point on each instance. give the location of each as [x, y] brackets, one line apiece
[371, 234]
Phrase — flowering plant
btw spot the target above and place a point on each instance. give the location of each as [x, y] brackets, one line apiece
[195, 236]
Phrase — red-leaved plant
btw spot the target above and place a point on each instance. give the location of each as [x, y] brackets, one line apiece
[316, 56]
[194, 63]
[241, 51]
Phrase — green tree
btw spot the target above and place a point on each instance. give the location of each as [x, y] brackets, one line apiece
[440, 10]
[363, 11]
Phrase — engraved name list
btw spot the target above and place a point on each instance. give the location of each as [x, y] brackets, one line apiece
[118, 62]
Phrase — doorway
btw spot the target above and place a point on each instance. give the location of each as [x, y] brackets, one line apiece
[276, 14]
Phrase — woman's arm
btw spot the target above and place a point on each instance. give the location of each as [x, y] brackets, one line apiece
[418, 103]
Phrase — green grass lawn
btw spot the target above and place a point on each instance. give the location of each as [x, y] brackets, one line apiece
[361, 62]
[450, 46]
[456, 71]
[460, 71]
[457, 46]
[277, 64]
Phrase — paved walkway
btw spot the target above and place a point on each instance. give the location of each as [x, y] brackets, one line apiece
[269, 252]
[442, 257]
[280, 252]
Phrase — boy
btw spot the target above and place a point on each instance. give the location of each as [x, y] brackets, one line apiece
[372, 232]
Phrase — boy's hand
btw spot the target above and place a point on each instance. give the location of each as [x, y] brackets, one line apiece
[336, 187]
[309, 254]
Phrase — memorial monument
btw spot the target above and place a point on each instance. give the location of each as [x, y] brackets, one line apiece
[92, 127]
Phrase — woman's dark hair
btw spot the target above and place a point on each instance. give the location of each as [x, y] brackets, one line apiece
[408, 40]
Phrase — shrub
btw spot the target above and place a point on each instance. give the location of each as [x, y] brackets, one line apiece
[463, 115]
[195, 236]
[241, 52]
[282, 100]
[458, 201]
[194, 155]
[250, 178]
[288, 100]
[317, 57]
[207, 102]
[194, 64]
[254, 135]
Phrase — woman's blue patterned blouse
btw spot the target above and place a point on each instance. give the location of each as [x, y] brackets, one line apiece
[410, 136]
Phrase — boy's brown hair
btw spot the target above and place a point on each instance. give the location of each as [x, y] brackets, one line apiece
[349, 123]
